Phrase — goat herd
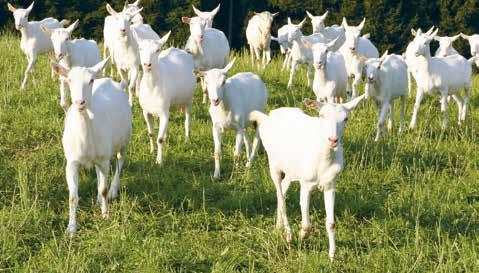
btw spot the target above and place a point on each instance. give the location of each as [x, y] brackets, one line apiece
[300, 148]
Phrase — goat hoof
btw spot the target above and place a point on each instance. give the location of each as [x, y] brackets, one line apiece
[303, 234]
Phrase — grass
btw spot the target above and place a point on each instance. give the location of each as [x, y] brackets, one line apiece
[409, 203]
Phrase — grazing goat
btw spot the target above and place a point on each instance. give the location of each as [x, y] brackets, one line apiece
[445, 45]
[110, 34]
[97, 128]
[167, 82]
[125, 50]
[70, 53]
[353, 48]
[258, 35]
[447, 75]
[209, 47]
[330, 77]
[232, 100]
[386, 82]
[305, 149]
[207, 16]
[34, 41]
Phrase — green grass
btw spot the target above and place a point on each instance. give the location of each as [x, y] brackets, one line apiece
[409, 203]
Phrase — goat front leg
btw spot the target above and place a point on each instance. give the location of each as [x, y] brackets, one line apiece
[304, 199]
[63, 93]
[204, 90]
[149, 125]
[381, 118]
[164, 118]
[254, 149]
[115, 183]
[402, 106]
[308, 74]
[460, 107]
[239, 143]
[188, 109]
[217, 154]
[391, 116]
[417, 104]
[355, 85]
[102, 170]
[444, 108]
[31, 61]
[330, 224]
[134, 74]
[291, 74]
[72, 181]
[277, 177]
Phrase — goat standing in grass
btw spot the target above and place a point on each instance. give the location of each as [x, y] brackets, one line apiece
[258, 35]
[305, 149]
[34, 41]
[97, 128]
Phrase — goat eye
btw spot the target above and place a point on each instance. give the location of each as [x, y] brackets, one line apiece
[91, 81]
[346, 119]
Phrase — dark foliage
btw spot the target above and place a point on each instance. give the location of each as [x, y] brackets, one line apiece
[388, 21]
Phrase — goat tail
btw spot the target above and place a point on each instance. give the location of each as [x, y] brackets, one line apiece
[257, 117]
[64, 22]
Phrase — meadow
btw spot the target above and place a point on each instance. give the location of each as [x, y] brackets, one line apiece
[409, 203]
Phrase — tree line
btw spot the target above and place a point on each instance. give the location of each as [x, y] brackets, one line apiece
[388, 21]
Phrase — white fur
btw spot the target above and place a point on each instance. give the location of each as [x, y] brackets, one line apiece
[110, 33]
[209, 47]
[70, 53]
[445, 45]
[258, 35]
[305, 149]
[34, 41]
[97, 128]
[207, 16]
[232, 100]
[448, 76]
[284, 45]
[331, 32]
[144, 32]
[474, 44]
[352, 49]
[167, 81]
[124, 49]
[330, 77]
[386, 81]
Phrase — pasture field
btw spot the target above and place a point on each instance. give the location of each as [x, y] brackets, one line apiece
[409, 203]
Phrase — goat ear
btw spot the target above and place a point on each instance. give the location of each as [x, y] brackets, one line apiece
[300, 25]
[385, 54]
[454, 38]
[125, 6]
[353, 103]
[306, 43]
[331, 44]
[433, 34]
[289, 21]
[110, 10]
[430, 31]
[361, 26]
[45, 29]
[185, 20]
[11, 8]
[98, 68]
[137, 2]
[196, 11]
[72, 26]
[325, 15]
[136, 12]
[344, 23]
[229, 66]
[29, 9]
[274, 38]
[215, 11]
[275, 14]
[313, 104]
[309, 15]
[464, 36]
[164, 39]
[436, 38]
[413, 32]
[367, 36]
[59, 69]
[198, 73]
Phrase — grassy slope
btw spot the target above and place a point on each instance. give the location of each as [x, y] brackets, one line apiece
[406, 204]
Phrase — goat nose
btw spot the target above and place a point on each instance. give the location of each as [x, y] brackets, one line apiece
[333, 139]
[215, 101]
[352, 48]
[123, 30]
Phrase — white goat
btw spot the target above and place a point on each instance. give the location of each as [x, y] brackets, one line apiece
[110, 34]
[305, 149]
[97, 128]
[447, 75]
[144, 32]
[70, 53]
[445, 45]
[331, 32]
[284, 45]
[300, 54]
[232, 100]
[209, 47]
[207, 16]
[125, 50]
[353, 48]
[258, 35]
[330, 77]
[386, 82]
[474, 44]
[167, 82]
[34, 41]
